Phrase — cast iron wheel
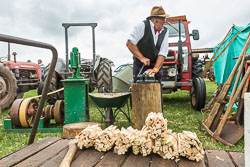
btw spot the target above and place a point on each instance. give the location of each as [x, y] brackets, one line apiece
[59, 111]
[196, 68]
[104, 77]
[8, 87]
[198, 94]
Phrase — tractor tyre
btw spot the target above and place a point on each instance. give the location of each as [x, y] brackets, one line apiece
[196, 68]
[54, 85]
[8, 87]
[198, 94]
[104, 77]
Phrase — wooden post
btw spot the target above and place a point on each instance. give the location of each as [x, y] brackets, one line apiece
[146, 98]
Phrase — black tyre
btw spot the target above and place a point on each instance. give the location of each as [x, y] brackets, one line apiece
[104, 77]
[8, 87]
[196, 68]
[54, 85]
[198, 94]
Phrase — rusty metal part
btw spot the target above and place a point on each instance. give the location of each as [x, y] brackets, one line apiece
[59, 111]
[27, 105]
[14, 112]
[47, 112]
[51, 112]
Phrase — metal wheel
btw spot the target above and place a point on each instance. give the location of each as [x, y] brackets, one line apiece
[27, 111]
[51, 111]
[47, 112]
[14, 112]
[59, 111]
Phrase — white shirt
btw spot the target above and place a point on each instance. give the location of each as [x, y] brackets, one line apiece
[138, 33]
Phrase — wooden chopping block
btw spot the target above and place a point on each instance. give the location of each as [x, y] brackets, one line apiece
[146, 98]
[71, 130]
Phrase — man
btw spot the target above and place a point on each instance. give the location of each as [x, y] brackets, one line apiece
[149, 44]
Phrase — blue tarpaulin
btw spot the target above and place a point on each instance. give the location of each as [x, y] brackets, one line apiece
[225, 63]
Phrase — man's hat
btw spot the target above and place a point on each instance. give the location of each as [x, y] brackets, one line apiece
[158, 11]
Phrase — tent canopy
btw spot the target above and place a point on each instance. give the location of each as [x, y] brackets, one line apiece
[225, 63]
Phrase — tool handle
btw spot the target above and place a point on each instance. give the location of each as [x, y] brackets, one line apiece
[140, 70]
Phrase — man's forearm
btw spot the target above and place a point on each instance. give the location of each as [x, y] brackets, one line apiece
[134, 50]
[159, 61]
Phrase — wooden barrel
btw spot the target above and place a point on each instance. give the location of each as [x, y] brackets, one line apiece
[71, 130]
[146, 98]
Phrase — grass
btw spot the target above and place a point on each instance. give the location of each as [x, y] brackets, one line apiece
[177, 110]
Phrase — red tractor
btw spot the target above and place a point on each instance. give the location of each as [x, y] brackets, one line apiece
[17, 78]
[181, 69]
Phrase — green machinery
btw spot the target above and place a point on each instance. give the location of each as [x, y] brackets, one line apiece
[76, 92]
[73, 109]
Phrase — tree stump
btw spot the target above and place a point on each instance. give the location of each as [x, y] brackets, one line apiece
[71, 130]
[146, 98]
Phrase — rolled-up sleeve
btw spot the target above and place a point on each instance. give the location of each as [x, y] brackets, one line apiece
[138, 32]
[164, 46]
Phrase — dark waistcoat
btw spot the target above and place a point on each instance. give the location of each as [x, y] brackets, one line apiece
[146, 45]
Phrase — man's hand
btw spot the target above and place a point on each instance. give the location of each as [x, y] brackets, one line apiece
[150, 72]
[145, 61]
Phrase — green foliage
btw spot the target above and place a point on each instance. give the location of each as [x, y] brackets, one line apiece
[177, 110]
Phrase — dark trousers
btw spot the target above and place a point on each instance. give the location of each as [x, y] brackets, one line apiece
[158, 76]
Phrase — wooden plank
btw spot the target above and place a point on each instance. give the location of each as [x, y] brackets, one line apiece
[111, 160]
[146, 99]
[137, 161]
[158, 161]
[44, 155]
[87, 158]
[188, 163]
[215, 157]
[238, 158]
[28, 151]
[55, 161]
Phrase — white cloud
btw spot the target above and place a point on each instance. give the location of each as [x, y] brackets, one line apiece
[41, 21]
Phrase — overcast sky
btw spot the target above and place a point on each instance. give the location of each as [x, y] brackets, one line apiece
[42, 21]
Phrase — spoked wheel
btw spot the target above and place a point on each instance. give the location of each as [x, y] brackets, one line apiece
[198, 94]
[27, 112]
[59, 111]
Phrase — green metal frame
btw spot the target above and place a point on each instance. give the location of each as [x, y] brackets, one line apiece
[44, 126]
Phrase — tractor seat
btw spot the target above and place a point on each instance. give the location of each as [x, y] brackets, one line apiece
[171, 56]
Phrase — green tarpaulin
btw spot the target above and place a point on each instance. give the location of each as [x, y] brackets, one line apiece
[225, 63]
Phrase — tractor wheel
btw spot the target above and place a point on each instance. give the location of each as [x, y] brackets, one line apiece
[198, 94]
[54, 85]
[8, 87]
[104, 77]
[196, 68]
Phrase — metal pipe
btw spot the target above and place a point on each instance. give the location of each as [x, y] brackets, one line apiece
[16, 40]
[8, 51]
[93, 34]
[67, 50]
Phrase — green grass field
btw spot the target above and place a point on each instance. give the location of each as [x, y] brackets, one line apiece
[177, 110]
